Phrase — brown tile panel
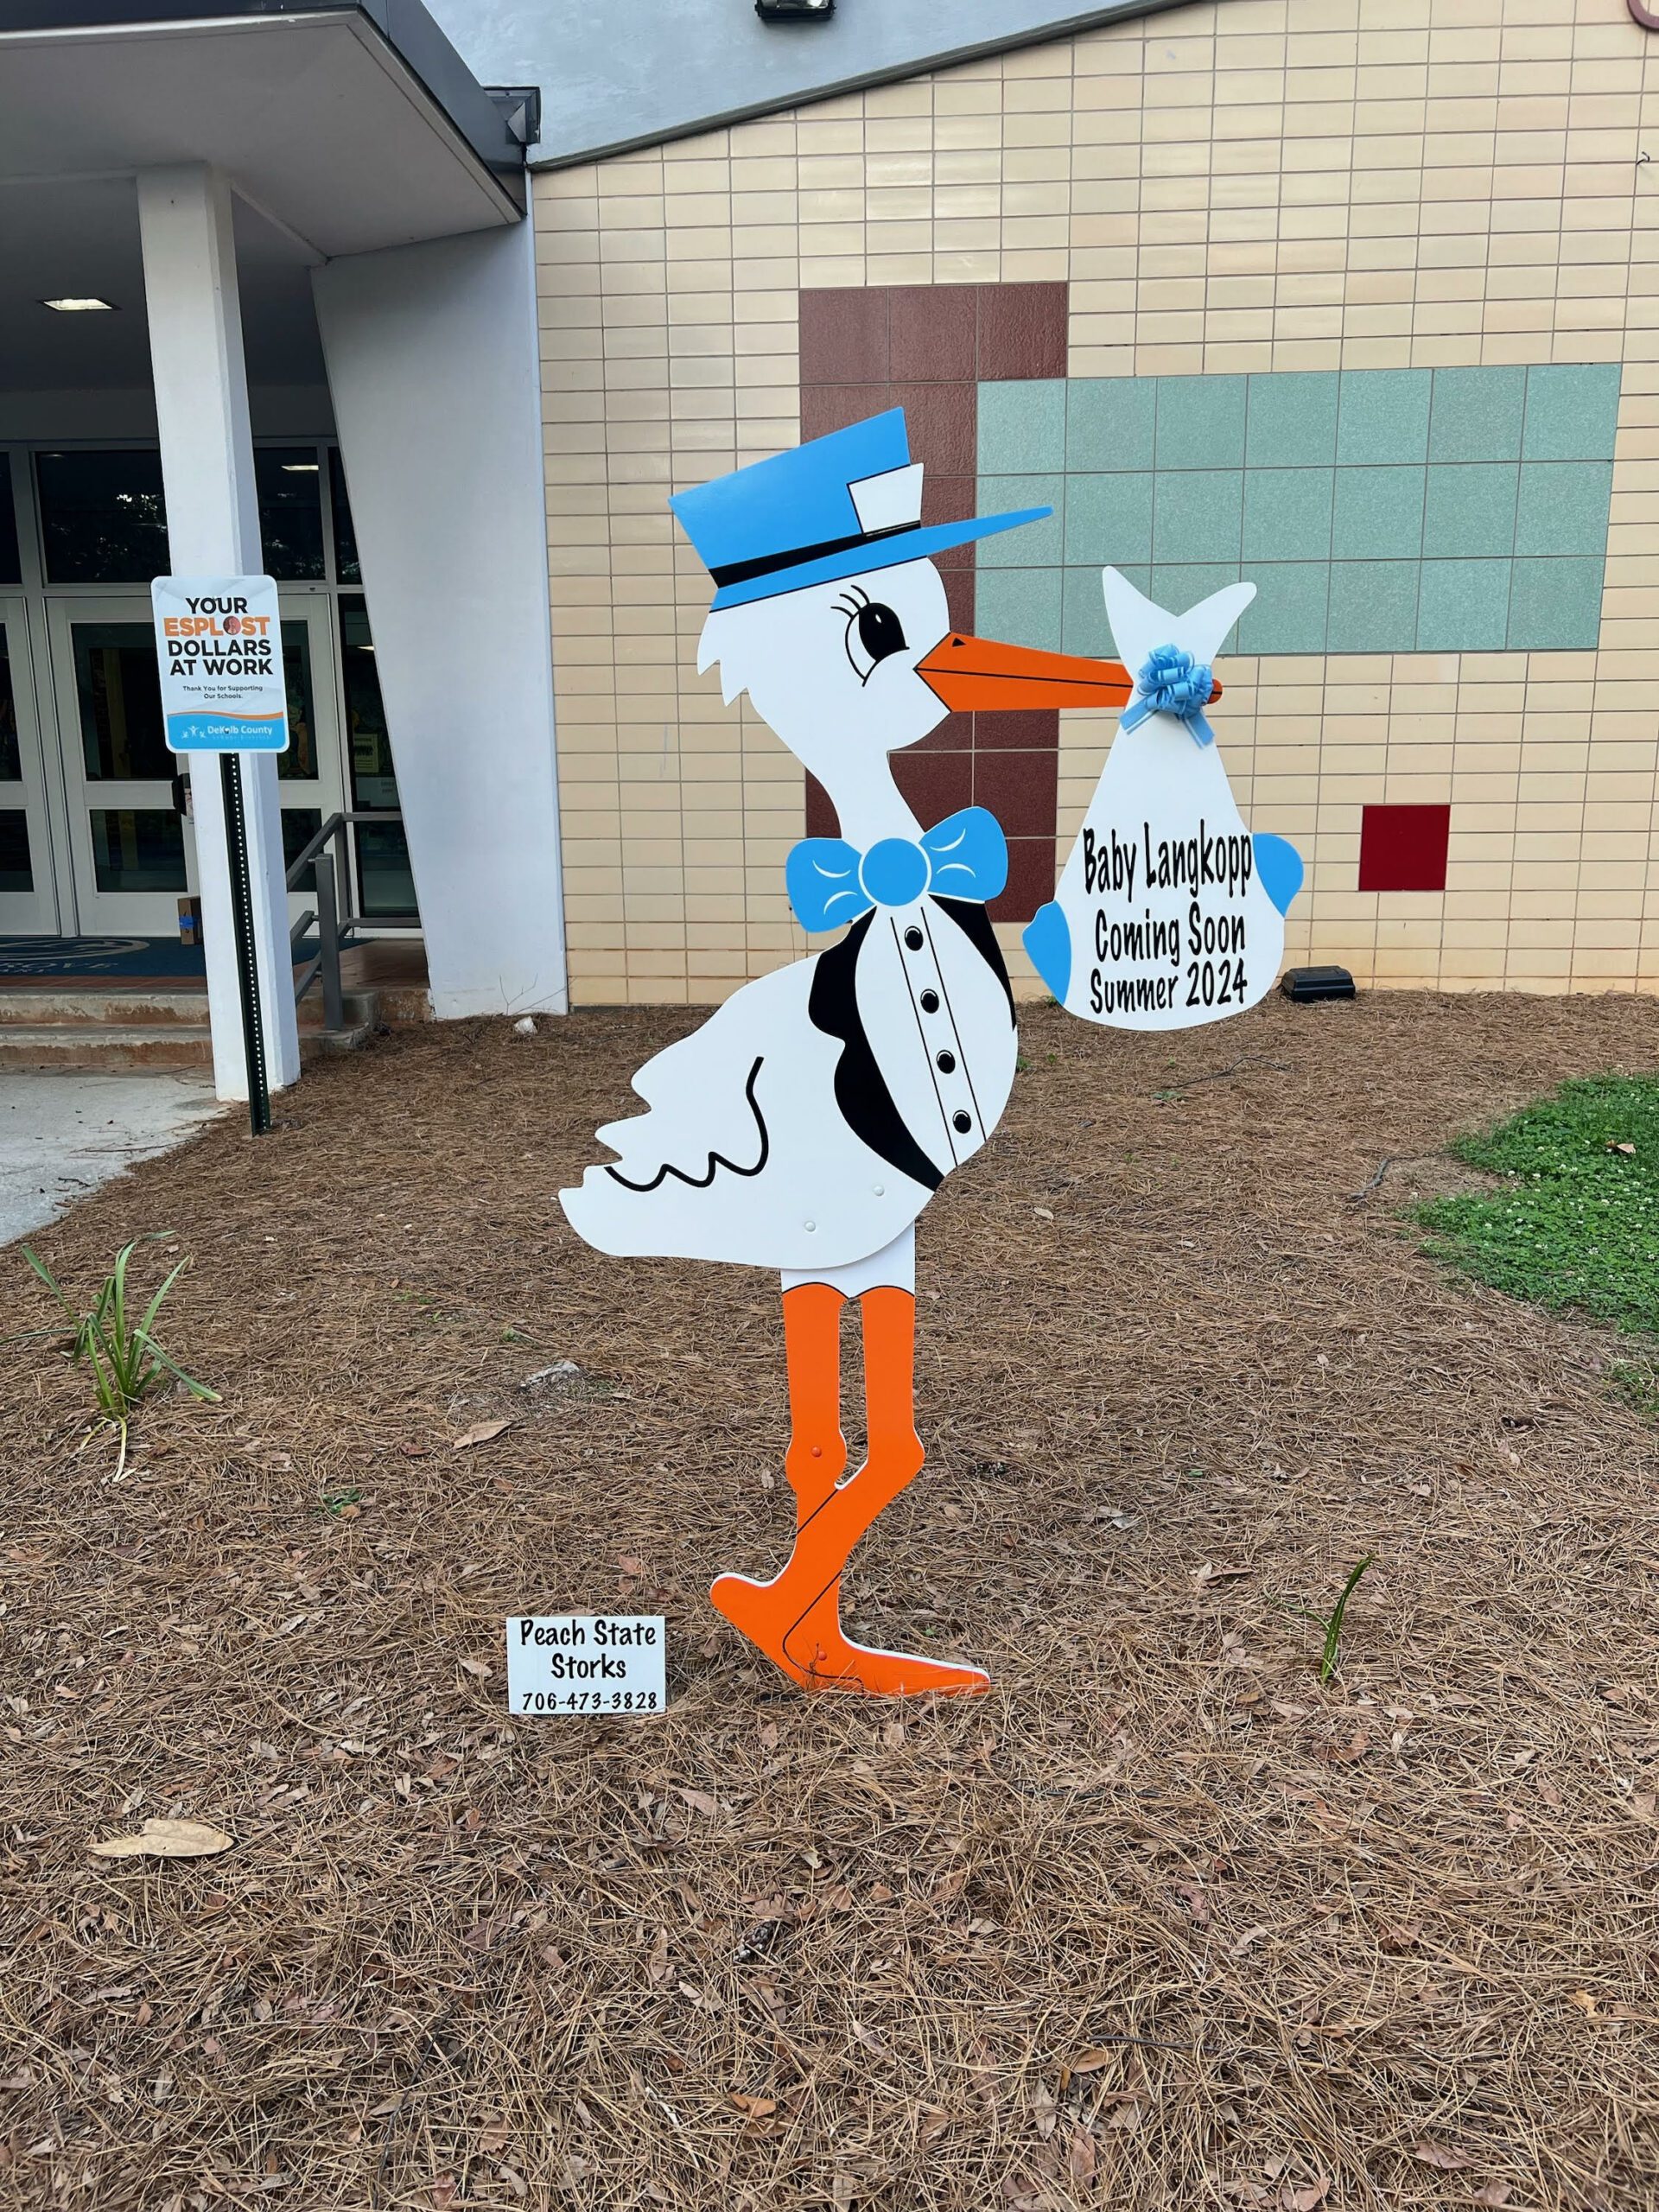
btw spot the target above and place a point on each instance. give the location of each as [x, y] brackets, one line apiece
[934, 784]
[931, 332]
[1022, 330]
[844, 335]
[925, 348]
[1031, 880]
[1021, 790]
[943, 420]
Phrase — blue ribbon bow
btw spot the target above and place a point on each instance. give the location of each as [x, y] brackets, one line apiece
[1173, 683]
[829, 881]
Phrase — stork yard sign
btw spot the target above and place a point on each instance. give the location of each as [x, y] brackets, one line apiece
[218, 644]
[810, 1121]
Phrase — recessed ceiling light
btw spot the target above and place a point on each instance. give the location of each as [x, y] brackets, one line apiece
[299, 468]
[79, 307]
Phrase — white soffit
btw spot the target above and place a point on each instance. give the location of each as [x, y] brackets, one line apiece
[318, 118]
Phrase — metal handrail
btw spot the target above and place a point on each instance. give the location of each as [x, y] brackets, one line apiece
[334, 930]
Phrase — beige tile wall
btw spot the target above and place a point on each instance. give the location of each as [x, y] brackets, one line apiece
[1261, 184]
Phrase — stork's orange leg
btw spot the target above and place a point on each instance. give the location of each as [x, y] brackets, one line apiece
[795, 1618]
[818, 1450]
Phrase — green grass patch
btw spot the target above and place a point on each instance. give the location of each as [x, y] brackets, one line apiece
[1575, 1222]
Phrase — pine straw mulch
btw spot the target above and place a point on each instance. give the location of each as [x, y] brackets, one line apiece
[1160, 1922]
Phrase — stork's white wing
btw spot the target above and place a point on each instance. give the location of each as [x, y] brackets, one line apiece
[744, 1154]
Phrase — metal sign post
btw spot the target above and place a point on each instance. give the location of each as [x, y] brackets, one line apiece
[219, 641]
[247, 959]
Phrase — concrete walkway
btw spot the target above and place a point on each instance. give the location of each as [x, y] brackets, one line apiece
[62, 1135]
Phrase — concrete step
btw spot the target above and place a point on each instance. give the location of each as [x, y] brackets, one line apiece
[51, 1006]
[91, 1048]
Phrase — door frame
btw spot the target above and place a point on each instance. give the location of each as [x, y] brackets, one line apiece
[29, 914]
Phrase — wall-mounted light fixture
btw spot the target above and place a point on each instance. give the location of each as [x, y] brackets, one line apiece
[794, 11]
[80, 306]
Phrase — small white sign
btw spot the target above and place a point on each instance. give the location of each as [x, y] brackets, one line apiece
[586, 1662]
[219, 641]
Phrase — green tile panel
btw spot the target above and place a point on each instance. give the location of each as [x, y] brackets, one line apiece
[1375, 510]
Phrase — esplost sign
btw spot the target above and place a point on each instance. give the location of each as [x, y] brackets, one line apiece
[219, 642]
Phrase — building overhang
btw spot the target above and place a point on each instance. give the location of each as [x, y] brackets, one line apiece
[349, 124]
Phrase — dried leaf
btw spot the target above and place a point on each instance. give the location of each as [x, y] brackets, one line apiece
[1080, 2155]
[1494, 2192]
[1400, 1935]
[1092, 2061]
[478, 1668]
[629, 1565]
[493, 2136]
[486, 1432]
[166, 1840]
[699, 1800]
[442, 2192]
[892, 1734]
[756, 2107]
[1432, 2154]
[1629, 1150]
[1305, 2199]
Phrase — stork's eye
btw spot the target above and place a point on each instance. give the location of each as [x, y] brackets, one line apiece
[873, 631]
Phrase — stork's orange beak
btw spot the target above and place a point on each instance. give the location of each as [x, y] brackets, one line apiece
[979, 676]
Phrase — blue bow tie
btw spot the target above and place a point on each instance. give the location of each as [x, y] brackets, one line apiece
[829, 881]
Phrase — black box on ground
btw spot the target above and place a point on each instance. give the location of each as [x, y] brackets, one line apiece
[1305, 985]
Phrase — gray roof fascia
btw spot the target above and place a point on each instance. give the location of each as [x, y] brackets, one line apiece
[402, 26]
[922, 65]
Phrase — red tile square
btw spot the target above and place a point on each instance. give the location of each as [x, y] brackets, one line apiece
[931, 331]
[1403, 848]
[1032, 878]
[1022, 330]
[844, 335]
[1022, 789]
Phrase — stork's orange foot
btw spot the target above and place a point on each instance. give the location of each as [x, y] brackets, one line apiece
[813, 1649]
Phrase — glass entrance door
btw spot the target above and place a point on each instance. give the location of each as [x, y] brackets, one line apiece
[28, 902]
[132, 852]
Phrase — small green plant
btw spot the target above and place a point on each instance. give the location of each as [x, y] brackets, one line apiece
[126, 1362]
[334, 1502]
[1330, 1658]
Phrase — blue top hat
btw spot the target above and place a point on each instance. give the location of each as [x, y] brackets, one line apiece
[836, 506]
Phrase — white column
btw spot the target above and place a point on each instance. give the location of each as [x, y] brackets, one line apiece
[213, 528]
[433, 372]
